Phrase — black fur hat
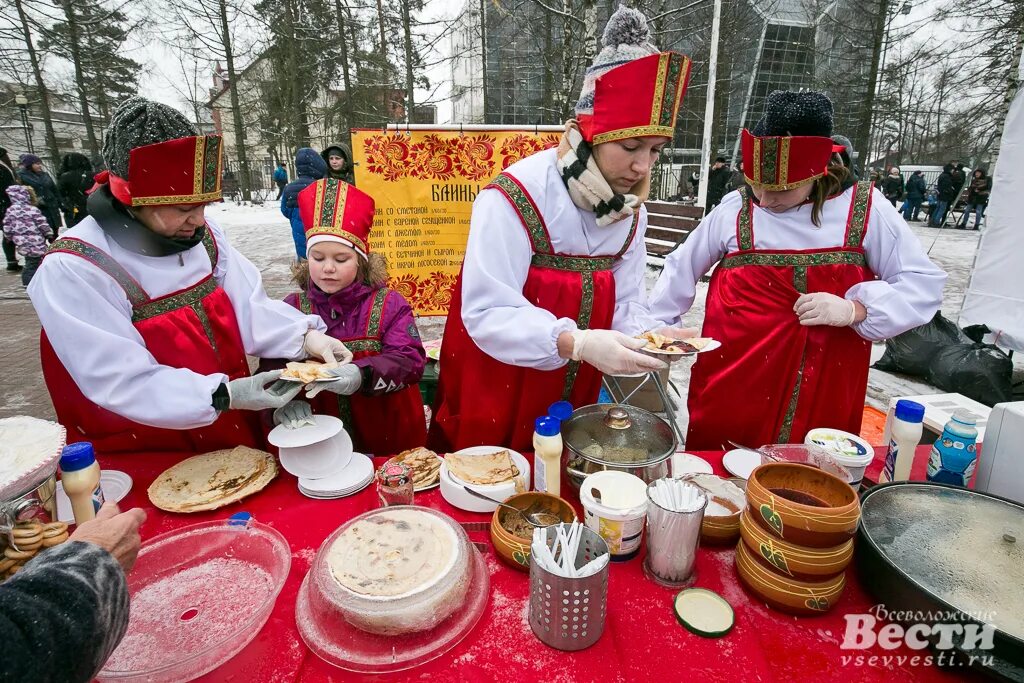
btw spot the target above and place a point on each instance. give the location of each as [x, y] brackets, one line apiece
[787, 112]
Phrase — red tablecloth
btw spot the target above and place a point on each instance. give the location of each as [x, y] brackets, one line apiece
[642, 640]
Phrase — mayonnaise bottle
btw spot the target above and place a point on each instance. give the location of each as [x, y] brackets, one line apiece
[80, 477]
[547, 455]
[905, 435]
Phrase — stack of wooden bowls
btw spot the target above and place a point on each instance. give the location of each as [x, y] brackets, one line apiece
[796, 537]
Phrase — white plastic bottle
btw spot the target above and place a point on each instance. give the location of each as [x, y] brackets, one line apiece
[80, 477]
[905, 436]
[547, 455]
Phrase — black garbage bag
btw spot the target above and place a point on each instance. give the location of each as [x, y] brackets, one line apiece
[979, 371]
[912, 352]
[976, 333]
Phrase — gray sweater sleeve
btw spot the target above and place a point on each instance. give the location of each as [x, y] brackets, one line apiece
[62, 615]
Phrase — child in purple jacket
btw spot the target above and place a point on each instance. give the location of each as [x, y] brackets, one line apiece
[27, 227]
[377, 395]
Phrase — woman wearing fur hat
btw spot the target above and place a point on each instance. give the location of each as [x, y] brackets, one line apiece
[555, 261]
[376, 395]
[811, 269]
[148, 312]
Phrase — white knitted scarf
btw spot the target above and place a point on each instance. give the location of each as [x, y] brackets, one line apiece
[587, 186]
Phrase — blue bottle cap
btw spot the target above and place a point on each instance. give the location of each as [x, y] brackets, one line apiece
[77, 456]
[909, 411]
[547, 426]
[561, 410]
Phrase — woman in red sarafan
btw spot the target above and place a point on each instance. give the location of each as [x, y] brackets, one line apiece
[376, 396]
[811, 268]
[554, 265]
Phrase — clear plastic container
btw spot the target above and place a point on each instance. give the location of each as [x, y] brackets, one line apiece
[198, 596]
[444, 592]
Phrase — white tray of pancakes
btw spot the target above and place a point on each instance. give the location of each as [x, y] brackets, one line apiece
[493, 471]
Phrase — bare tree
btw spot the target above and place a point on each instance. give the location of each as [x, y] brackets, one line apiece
[25, 26]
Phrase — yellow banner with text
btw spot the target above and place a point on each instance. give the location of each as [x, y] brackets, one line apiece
[424, 183]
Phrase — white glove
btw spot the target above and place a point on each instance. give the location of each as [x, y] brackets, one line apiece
[294, 415]
[252, 393]
[613, 353]
[822, 308]
[318, 344]
[350, 378]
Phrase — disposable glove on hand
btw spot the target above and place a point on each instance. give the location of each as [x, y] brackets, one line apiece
[294, 415]
[350, 378]
[613, 353]
[328, 348]
[822, 308]
[253, 393]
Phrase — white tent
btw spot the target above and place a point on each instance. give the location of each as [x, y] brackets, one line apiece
[995, 296]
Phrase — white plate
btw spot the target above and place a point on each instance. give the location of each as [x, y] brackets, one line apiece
[318, 379]
[740, 462]
[451, 486]
[359, 469]
[712, 345]
[517, 459]
[326, 426]
[115, 485]
[686, 463]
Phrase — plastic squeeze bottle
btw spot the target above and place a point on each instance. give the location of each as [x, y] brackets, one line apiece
[905, 435]
[955, 454]
[80, 477]
[547, 455]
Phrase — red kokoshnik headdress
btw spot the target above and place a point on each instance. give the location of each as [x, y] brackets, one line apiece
[334, 211]
[179, 171]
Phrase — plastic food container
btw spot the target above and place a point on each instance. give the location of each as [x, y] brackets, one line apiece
[620, 513]
[849, 450]
[198, 596]
[415, 605]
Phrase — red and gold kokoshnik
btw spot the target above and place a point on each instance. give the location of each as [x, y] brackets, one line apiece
[333, 207]
[180, 171]
[782, 163]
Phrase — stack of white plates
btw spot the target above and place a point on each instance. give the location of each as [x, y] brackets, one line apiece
[354, 477]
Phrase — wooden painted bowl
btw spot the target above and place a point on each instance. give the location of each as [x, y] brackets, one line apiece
[796, 561]
[784, 593]
[510, 545]
[802, 504]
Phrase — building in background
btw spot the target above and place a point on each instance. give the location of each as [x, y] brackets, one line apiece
[21, 132]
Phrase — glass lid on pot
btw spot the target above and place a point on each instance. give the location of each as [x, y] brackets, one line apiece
[963, 547]
[619, 435]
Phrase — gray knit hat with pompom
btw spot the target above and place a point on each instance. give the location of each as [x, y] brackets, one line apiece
[626, 37]
[138, 122]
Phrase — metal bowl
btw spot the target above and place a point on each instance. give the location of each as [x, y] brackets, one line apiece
[620, 437]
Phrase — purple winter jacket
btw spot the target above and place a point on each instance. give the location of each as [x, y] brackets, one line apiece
[402, 358]
[24, 224]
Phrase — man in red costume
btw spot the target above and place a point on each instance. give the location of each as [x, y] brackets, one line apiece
[148, 312]
[555, 261]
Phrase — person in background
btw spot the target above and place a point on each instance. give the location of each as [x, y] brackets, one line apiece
[339, 163]
[736, 180]
[718, 184]
[916, 191]
[977, 198]
[846, 155]
[280, 178]
[892, 186]
[377, 395]
[946, 191]
[64, 612]
[7, 178]
[694, 182]
[31, 173]
[811, 267]
[959, 177]
[74, 181]
[309, 167]
[25, 225]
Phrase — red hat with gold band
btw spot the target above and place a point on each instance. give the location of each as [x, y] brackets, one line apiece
[638, 98]
[180, 171]
[334, 211]
[782, 163]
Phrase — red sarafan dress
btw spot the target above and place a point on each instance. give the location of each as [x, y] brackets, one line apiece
[776, 379]
[194, 328]
[483, 401]
[386, 416]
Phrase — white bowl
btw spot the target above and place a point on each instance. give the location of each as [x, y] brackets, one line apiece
[320, 459]
[452, 491]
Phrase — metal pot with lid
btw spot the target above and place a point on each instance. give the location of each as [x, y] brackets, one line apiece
[609, 436]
